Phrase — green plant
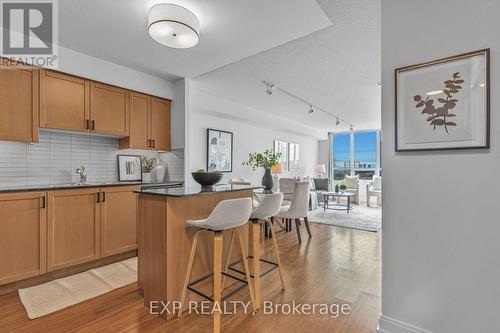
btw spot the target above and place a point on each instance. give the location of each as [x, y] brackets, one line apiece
[343, 187]
[264, 160]
[148, 164]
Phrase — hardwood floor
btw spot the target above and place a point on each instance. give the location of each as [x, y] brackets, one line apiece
[338, 266]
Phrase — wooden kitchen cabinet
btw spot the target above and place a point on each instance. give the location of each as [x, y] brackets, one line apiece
[118, 220]
[149, 123]
[139, 137]
[109, 109]
[19, 104]
[64, 102]
[73, 227]
[22, 236]
[160, 124]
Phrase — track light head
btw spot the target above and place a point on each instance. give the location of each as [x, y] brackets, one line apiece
[311, 110]
[269, 87]
[337, 122]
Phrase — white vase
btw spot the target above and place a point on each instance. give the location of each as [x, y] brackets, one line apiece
[146, 177]
[160, 173]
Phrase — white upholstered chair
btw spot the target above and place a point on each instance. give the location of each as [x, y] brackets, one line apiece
[374, 189]
[352, 184]
[297, 209]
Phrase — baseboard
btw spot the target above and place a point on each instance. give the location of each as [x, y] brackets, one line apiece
[390, 325]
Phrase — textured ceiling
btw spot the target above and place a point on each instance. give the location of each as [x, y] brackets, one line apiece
[116, 31]
[336, 68]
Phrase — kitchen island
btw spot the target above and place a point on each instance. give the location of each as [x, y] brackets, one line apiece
[164, 241]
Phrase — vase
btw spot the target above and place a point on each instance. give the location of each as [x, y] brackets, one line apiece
[267, 181]
[160, 173]
[146, 177]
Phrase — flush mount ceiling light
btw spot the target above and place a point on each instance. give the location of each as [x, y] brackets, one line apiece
[173, 26]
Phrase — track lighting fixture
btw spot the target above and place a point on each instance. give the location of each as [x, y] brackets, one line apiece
[271, 87]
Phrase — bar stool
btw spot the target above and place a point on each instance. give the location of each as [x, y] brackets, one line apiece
[262, 215]
[227, 215]
[297, 209]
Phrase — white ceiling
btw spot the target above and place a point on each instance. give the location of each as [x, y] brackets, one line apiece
[116, 31]
[336, 68]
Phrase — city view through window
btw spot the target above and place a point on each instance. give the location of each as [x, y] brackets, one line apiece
[356, 154]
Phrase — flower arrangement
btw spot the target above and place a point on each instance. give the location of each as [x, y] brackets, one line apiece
[148, 164]
[265, 160]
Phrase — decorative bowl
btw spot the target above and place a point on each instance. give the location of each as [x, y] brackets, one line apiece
[207, 179]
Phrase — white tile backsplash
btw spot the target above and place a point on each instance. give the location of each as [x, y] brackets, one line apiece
[54, 159]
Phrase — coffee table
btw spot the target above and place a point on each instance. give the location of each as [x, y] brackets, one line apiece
[337, 206]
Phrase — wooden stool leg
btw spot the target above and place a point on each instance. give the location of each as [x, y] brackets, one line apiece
[306, 222]
[256, 262]
[297, 226]
[245, 265]
[276, 253]
[250, 238]
[217, 280]
[189, 269]
[228, 258]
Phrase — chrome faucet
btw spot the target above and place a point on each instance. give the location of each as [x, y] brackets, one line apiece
[83, 174]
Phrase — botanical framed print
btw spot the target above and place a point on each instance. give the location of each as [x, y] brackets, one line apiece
[282, 147]
[219, 150]
[129, 168]
[444, 104]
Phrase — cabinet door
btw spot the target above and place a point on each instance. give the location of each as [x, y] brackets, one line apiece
[22, 236]
[108, 109]
[64, 102]
[160, 124]
[118, 220]
[18, 104]
[138, 123]
[73, 228]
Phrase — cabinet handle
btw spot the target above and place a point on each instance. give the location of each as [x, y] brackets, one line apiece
[93, 125]
[154, 143]
[87, 124]
[43, 202]
[98, 197]
[103, 197]
[149, 143]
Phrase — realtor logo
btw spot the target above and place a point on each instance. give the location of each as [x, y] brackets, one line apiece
[29, 31]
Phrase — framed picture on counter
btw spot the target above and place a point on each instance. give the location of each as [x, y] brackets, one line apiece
[219, 150]
[129, 168]
[444, 104]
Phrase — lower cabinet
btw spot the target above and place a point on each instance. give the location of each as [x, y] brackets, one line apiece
[118, 220]
[73, 227]
[22, 236]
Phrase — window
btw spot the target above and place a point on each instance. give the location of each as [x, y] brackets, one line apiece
[341, 155]
[356, 153]
[365, 154]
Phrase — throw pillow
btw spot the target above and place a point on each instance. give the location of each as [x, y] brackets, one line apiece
[377, 183]
[351, 181]
[321, 184]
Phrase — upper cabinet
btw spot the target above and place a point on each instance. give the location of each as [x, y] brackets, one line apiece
[149, 123]
[18, 104]
[108, 109]
[160, 124]
[64, 102]
[33, 98]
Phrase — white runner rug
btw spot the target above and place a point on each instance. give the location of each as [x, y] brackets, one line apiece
[56, 295]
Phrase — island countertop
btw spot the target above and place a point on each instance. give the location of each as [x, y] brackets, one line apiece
[188, 191]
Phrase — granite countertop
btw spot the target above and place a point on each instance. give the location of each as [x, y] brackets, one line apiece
[67, 186]
[197, 190]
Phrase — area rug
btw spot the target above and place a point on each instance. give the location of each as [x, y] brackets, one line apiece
[56, 295]
[361, 217]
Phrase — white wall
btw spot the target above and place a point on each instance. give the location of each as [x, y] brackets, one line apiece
[178, 114]
[248, 137]
[440, 267]
[92, 68]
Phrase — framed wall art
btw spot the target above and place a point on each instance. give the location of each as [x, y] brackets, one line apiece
[129, 168]
[444, 104]
[219, 150]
